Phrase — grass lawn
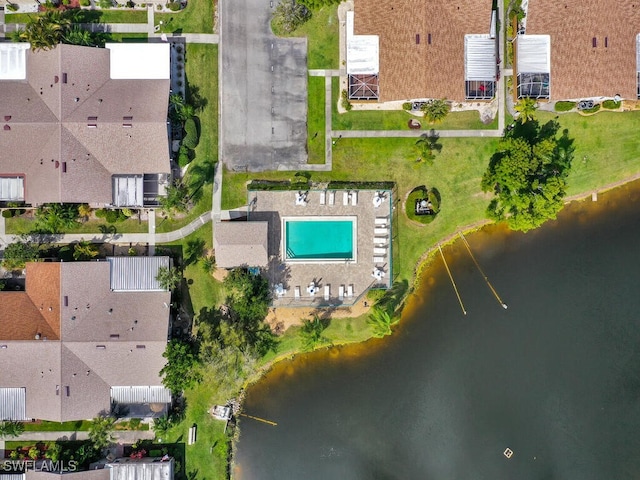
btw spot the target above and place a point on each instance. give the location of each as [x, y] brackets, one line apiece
[323, 38]
[169, 225]
[19, 225]
[196, 18]
[607, 147]
[201, 69]
[102, 16]
[315, 120]
[398, 119]
[45, 426]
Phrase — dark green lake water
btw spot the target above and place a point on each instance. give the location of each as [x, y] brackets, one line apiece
[555, 378]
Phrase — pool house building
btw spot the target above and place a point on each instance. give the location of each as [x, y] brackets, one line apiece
[325, 248]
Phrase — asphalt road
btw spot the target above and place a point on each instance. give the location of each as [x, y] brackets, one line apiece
[263, 91]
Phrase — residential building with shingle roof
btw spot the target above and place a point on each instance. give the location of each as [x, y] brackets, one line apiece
[71, 344]
[76, 130]
[577, 49]
[427, 49]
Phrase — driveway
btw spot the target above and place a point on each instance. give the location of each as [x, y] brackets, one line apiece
[263, 91]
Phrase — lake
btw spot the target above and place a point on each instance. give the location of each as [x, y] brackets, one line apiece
[555, 377]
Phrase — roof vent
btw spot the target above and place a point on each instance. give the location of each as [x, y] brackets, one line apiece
[429, 39]
[77, 99]
[594, 42]
[68, 391]
[142, 347]
[606, 42]
[3, 346]
[57, 389]
[64, 78]
[101, 347]
[114, 336]
[73, 318]
[37, 337]
[417, 39]
[7, 118]
[7, 128]
[64, 167]
[66, 301]
[56, 79]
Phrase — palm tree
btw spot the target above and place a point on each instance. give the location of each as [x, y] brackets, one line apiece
[85, 211]
[176, 199]
[84, 250]
[436, 110]
[209, 264]
[526, 107]
[169, 278]
[11, 429]
[45, 31]
[425, 149]
[79, 36]
[101, 432]
[380, 322]
[56, 217]
[311, 333]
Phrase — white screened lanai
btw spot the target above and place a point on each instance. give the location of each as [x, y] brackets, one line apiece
[480, 66]
[533, 66]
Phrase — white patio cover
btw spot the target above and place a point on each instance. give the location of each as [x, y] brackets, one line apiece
[141, 61]
[11, 189]
[13, 65]
[362, 51]
[128, 190]
[479, 57]
[534, 54]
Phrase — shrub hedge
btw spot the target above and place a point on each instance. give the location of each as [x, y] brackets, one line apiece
[564, 106]
[611, 104]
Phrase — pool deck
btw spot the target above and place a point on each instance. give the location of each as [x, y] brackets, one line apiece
[271, 206]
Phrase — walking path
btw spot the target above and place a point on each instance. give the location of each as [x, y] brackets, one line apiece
[150, 238]
[122, 436]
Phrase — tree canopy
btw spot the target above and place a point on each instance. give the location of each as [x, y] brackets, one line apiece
[528, 175]
[180, 371]
[17, 254]
[435, 110]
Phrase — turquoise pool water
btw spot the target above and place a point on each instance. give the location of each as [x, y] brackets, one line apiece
[318, 239]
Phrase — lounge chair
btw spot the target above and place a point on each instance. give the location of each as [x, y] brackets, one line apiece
[354, 198]
[301, 198]
[380, 231]
[381, 221]
[350, 290]
[323, 197]
[378, 259]
[341, 292]
[332, 197]
[327, 292]
[345, 198]
[380, 240]
[379, 251]
[296, 293]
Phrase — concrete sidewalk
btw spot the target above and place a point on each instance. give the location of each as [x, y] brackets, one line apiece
[413, 133]
[121, 436]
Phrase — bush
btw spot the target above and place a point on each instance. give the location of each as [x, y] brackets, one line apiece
[173, 6]
[105, 4]
[288, 16]
[85, 3]
[7, 213]
[158, 6]
[593, 109]
[130, 4]
[101, 212]
[611, 104]
[190, 139]
[406, 106]
[344, 101]
[13, 7]
[564, 106]
[184, 156]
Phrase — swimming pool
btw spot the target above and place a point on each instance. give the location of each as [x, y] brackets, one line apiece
[317, 239]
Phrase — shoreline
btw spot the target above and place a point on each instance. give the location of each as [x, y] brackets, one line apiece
[421, 265]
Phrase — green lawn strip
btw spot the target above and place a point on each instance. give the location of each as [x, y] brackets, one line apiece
[122, 16]
[197, 17]
[101, 16]
[128, 37]
[201, 70]
[323, 38]
[45, 426]
[398, 119]
[316, 119]
[19, 225]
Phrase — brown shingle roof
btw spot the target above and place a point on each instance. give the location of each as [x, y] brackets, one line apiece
[37, 309]
[408, 70]
[241, 243]
[49, 118]
[577, 69]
